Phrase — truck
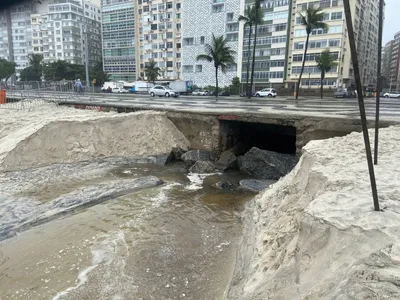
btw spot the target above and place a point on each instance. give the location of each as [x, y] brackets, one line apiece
[141, 87]
[183, 87]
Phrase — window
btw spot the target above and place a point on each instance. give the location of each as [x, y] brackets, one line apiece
[169, 64]
[217, 8]
[337, 3]
[187, 68]
[202, 40]
[299, 45]
[199, 68]
[188, 41]
[334, 42]
[318, 44]
[337, 15]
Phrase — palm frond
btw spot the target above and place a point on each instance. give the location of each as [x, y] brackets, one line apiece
[204, 57]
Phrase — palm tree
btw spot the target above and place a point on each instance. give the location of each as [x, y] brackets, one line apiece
[152, 71]
[219, 53]
[35, 62]
[251, 17]
[312, 19]
[325, 62]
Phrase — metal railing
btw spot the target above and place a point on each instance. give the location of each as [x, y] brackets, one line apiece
[29, 94]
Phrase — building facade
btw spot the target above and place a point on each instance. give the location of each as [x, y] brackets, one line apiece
[67, 29]
[119, 42]
[365, 22]
[16, 34]
[391, 63]
[271, 44]
[158, 32]
[218, 18]
[386, 62]
[57, 29]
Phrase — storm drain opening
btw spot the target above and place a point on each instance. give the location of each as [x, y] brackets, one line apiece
[239, 137]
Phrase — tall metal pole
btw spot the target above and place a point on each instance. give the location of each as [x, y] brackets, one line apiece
[86, 59]
[379, 82]
[350, 30]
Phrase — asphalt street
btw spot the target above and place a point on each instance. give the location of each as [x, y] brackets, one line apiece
[327, 107]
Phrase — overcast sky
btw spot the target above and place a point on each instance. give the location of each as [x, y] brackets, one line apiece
[392, 24]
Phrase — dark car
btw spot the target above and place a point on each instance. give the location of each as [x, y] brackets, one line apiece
[247, 94]
[345, 94]
[224, 93]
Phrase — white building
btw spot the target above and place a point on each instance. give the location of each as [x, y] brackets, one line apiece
[64, 28]
[365, 22]
[16, 33]
[201, 19]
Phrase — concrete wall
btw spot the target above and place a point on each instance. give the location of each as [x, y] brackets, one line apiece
[201, 131]
[212, 131]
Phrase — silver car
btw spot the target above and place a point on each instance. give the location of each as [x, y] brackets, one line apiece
[160, 90]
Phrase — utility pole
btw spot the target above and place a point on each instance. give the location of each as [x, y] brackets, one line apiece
[378, 81]
[86, 58]
[353, 50]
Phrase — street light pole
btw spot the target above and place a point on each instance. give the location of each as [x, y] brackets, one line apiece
[86, 58]
[379, 81]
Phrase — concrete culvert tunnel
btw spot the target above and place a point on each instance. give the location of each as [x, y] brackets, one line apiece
[240, 137]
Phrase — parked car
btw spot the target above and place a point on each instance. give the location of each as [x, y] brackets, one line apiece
[246, 94]
[199, 93]
[267, 92]
[345, 94]
[119, 90]
[395, 94]
[160, 90]
[212, 93]
[224, 93]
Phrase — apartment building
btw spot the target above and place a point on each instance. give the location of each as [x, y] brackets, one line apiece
[213, 17]
[158, 32]
[387, 61]
[16, 33]
[365, 22]
[66, 29]
[271, 44]
[391, 62]
[119, 55]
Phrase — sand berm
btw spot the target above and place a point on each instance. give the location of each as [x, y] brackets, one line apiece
[315, 234]
[51, 135]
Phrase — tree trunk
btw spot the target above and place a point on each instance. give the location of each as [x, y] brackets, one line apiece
[322, 84]
[254, 60]
[248, 63]
[216, 83]
[302, 66]
[353, 51]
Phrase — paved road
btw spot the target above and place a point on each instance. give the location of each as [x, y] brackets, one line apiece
[329, 107]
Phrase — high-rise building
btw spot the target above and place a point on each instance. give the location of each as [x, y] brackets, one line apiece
[158, 32]
[55, 28]
[271, 44]
[119, 41]
[365, 22]
[16, 33]
[199, 23]
[387, 61]
[66, 28]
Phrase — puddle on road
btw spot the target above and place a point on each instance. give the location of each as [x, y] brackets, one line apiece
[168, 242]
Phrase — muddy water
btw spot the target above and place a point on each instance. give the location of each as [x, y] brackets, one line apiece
[176, 241]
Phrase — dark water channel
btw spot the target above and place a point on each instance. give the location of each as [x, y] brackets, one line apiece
[175, 241]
